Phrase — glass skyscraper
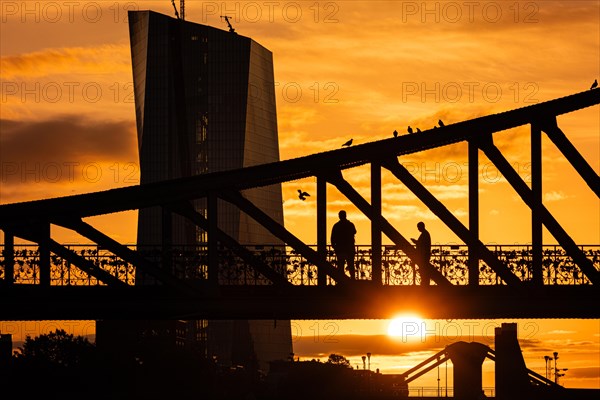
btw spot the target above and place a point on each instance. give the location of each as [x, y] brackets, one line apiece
[205, 102]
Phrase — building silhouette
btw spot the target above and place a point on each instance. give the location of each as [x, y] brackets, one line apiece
[205, 102]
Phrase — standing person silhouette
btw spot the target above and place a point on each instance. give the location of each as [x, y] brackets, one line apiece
[423, 246]
[342, 240]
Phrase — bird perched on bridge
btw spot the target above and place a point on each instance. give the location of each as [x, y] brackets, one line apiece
[409, 129]
[302, 195]
[595, 84]
[348, 143]
[395, 133]
[441, 123]
[418, 130]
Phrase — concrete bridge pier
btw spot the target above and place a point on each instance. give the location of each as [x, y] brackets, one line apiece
[467, 359]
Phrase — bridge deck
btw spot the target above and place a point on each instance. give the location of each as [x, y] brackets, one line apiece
[356, 300]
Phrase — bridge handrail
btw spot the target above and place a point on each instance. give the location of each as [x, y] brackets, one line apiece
[189, 262]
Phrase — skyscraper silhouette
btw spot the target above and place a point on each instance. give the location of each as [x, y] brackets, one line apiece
[205, 102]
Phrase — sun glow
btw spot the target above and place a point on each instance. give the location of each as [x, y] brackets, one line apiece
[406, 326]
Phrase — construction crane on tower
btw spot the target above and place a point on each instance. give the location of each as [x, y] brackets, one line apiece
[226, 17]
[181, 9]
[180, 14]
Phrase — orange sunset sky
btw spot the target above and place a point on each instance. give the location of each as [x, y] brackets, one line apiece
[343, 69]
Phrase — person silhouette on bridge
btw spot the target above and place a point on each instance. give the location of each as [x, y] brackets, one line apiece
[342, 241]
[423, 246]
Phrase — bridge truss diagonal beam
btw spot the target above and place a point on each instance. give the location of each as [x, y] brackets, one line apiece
[125, 253]
[186, 210]
[283, 234]
[400, 172]
[84, 264]
[437, 359]
[496, 157]
[388, 229]
[584, 169]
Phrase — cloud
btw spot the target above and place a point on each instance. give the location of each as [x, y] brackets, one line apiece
[66, 139]
[459, 212]
[560, 332]
[555, 196]
[353, 345]
[407, 212]
[110, 58]
[383, 345]
[571, 343]
[584, 372]
[65, 155]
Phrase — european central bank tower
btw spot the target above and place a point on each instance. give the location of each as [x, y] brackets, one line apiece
[205, 102]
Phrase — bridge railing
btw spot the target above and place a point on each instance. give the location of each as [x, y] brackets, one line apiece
[190, 263]
[441, 392]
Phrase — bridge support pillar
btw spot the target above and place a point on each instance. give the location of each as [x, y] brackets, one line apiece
[512, 381]
[44, 250]
[9, 258]
[167, 239]
[467, 359]
[213, 256]
[473, 261]
[536, 212]
[321, 226]
[375, 223]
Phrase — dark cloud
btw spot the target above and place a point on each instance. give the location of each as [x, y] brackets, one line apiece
[55, 144]
[531, 344]
[584, 372]
[383, 345]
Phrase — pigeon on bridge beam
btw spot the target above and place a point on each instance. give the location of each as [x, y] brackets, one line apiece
[441, 123]
[395, 133]
[410, 130]
[348, 143]
[302, 195]
[418, 130]
[595, 84]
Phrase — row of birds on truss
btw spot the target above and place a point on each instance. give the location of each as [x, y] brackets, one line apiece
[395, 133]
[302, 195]
[410, 130]
[441, 123]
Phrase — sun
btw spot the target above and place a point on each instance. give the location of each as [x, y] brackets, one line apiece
[406, 326]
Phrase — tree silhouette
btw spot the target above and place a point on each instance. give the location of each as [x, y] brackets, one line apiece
[337, 359]
[54, 359]
[57, 348]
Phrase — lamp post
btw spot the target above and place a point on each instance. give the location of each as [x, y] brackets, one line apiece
[369, 360]
[555, 369]
[364, 363]
[438, 379]
[559, 374]
[547, 358]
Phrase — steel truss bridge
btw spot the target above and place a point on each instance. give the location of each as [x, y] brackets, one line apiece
[294, 280]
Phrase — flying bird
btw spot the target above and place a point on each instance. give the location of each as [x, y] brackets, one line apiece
[441, 123]
[348, 143]
[410, 129]
[302, 195]
[418, 130]
[395, 133]
[595, 84]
